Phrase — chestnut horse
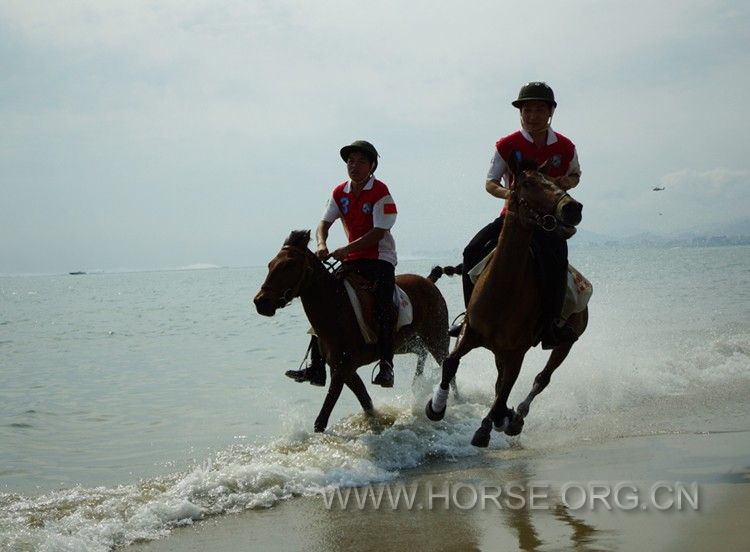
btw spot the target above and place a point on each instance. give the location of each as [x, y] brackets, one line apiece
[297, 272]
[504, 310]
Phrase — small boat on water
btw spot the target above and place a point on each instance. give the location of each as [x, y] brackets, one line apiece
[77, 273]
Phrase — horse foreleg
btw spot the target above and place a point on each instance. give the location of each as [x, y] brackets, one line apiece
[334, 391]
[438, 348]
[508, 368]
[542, 379]
[359, 389]
[436, 406]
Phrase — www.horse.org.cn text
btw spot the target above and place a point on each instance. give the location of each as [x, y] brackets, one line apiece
[596, 496]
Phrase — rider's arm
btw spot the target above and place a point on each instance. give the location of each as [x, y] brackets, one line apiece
[568, 181]
[493, 184]
[321, 235]
[495, 188]
[368, 240]
[573, 175]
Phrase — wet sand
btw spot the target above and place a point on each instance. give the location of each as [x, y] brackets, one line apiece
[717, 462]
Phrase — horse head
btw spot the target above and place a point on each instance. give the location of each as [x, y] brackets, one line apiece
[288, 272]
[539, 200]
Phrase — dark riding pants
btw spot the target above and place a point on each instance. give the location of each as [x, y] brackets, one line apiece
[551, 258]
[382, 275]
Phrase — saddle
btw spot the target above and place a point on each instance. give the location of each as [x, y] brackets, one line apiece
[362, 298]
[577, 292]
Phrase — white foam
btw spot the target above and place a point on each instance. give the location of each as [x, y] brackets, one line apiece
[591, 395]
[355, 451]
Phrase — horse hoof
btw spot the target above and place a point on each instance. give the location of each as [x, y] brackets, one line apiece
[500, 428]
[515, 425]
[431, 414]
[319, 428]
[482, 435]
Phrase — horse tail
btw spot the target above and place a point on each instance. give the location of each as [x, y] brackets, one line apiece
[438, 271]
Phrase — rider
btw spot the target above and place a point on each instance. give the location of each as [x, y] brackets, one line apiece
[537, 142]
[368, 212]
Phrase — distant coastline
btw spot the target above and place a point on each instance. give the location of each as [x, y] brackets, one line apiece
[597, 241]
[661, 242]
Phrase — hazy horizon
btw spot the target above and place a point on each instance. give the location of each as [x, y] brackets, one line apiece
[175, 133]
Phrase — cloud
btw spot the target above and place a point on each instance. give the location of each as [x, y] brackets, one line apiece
[215, 125]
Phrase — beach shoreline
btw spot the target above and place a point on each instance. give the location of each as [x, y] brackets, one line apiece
[717, 464]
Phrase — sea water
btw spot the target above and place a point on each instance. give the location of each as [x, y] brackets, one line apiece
[131, 403]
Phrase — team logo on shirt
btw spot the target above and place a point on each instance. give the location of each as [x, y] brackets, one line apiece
[367, 208]
[556, 160]
[344, 205]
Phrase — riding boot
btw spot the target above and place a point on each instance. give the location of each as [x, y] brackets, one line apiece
[553, 253]
[468, 287]
[384, 378]
[476, 250]
[315, 371]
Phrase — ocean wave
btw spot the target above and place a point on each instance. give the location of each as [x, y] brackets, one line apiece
[596, 394]
[356, 451]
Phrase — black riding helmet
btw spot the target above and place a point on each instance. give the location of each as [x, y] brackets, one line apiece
[535, 91]
[365, 147]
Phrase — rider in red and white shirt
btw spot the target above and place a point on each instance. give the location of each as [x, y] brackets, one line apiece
[536, 142]
[368, 212]
[360, 212]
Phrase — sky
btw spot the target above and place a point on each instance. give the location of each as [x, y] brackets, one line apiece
[139, 134]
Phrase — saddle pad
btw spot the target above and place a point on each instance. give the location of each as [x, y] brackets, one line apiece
[400, 300]
[578, 289]
[577, 293]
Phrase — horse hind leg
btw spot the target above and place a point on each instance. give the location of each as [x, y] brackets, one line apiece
[579, 322]
[421, 351]
[542, 379]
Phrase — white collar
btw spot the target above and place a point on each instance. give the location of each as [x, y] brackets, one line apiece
[368, 186]
[551, 136]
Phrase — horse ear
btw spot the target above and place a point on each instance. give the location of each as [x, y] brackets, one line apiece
[298, 238]
[514, 162]
[545, 167]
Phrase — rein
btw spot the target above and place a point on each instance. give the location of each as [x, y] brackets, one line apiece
[307, 269]
[548, 222]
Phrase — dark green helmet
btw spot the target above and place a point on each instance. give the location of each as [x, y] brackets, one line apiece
[365, 147]
[535, 91]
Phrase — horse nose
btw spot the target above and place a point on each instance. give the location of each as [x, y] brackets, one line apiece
[572, 213]
[264, 305]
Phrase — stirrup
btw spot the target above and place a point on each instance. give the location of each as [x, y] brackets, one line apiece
[316, 377]
[455, 328]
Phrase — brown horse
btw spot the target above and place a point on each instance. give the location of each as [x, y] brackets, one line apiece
[297, 272]
[504, 310]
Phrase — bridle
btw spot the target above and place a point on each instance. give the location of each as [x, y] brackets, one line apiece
[547, 222]
[291, 292]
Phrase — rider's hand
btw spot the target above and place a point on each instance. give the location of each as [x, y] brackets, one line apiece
[566, 182]
[340, 253]
[322, 252]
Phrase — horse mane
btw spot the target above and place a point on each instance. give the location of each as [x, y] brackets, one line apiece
[528, 165]
[298, 238]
